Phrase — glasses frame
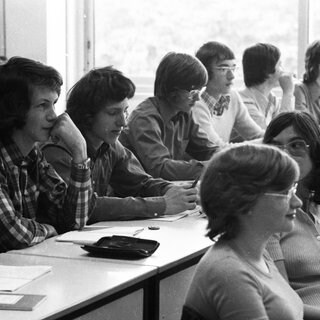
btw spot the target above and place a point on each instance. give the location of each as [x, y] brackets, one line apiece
[286, 147]
[193, 92]
[225, 69]
[290, 193]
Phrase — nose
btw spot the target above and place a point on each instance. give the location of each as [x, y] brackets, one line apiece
[231, 73]
[51, 114]
[196, 97]
[295, 202]
[122, 119]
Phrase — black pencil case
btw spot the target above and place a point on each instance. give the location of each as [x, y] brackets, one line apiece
[122, 247]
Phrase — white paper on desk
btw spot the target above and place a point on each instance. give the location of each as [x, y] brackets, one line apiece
[14, 277]
[92, 236]
[175, 217]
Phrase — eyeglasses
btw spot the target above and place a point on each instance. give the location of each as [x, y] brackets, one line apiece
[194, 92]
[225, 70]
[289, 194]
[295, 148]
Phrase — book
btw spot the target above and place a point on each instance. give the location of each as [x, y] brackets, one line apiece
[14, 277]
[92, 236]
[23, 302]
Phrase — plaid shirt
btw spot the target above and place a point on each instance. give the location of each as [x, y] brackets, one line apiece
[216, 107]
[34, 200]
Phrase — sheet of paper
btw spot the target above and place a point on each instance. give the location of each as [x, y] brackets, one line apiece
[14, 277]
[12, 284]
[9, 299]
[175, 217]
[92, 236]
[23, 272]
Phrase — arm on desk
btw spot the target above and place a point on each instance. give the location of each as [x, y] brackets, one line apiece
[180, 198]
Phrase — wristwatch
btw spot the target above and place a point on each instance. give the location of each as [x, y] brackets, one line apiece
[84, 165]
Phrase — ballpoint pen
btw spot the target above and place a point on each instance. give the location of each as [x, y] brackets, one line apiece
[194, 183]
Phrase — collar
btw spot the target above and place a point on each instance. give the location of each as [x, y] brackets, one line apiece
[13, 155]
[216, 107]
[166, 111]
[208, 99]
[94, 154]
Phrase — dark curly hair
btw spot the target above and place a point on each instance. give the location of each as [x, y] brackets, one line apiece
[98, 88]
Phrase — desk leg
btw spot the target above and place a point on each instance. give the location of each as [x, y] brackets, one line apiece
[151, 299]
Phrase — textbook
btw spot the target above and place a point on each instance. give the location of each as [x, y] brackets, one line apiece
[92, 236]
[23, 302]
[14, 277]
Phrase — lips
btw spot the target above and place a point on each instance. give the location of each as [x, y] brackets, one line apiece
[291, 215]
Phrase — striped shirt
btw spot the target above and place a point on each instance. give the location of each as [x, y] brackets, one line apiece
[35, 201]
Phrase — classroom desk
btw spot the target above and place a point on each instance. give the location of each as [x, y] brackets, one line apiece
[79, 289]
[182, 244]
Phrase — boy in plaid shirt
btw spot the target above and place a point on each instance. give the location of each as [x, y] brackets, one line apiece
[35, 203]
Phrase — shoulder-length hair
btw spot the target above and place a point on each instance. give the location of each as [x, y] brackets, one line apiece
[258, 62]
[306, 126]
[178, 71]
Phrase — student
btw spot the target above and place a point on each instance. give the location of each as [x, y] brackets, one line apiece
[307, 93]
[220, 109]
[262, 71]
[248, 194]
[35, 203]
[161, 131]
[98, 105]
[296, 253]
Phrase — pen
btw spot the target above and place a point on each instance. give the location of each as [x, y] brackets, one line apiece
[194, 183]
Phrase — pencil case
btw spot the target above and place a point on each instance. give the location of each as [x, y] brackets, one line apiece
[122, 247]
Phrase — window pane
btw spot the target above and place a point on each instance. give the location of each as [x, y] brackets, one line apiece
[314, 20]
[133, 35]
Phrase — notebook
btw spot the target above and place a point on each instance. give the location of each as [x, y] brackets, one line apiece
[23, 302]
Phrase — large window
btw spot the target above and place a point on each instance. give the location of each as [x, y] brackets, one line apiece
[133, 35]
[314, 20]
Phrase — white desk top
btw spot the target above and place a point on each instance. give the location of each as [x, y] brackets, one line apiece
[64, 287]
[180, 241]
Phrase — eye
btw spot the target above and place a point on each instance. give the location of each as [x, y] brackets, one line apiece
[111, 112]
[297, 145]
